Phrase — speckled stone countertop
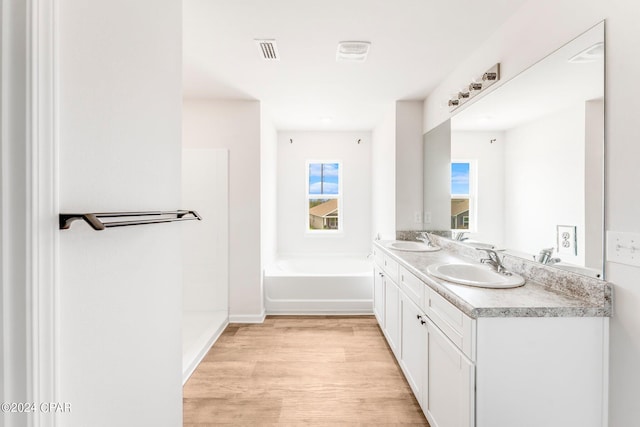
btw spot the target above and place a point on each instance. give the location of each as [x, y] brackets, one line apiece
[546, 293]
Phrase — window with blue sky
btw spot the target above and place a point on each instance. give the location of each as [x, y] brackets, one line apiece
[462, 199]
[324, 178]
[323, 196]
[460, 178]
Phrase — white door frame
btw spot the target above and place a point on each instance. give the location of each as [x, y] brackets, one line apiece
[29, 195]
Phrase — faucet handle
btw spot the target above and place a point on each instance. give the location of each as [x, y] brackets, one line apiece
[492, 253]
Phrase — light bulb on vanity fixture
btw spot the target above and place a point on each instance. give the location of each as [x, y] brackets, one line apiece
[476, 86]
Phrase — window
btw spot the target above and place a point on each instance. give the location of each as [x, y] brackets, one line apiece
[324, 196]
[463, 194]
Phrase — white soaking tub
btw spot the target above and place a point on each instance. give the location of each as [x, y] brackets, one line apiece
[319, 284]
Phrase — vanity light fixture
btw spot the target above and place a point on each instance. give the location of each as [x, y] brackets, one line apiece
[476, 86]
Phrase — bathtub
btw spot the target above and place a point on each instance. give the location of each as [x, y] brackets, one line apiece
[319, 284]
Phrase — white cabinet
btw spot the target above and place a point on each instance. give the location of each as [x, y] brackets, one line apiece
[448, 383]
[490, 371]
[392, 314]
[414, 344]
[378, 295]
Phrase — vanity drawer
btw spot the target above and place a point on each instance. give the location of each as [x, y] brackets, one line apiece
[456, 325]
[413, 287]
[378, 256]
[390, 267]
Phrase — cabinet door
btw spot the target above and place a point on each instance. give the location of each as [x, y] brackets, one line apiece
[378, 295]
[392, 315]
[449, 392]
[414, 344]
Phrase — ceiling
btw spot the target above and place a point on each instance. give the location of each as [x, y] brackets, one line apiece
[414, 45]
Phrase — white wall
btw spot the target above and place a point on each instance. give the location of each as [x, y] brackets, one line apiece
[383, 179]
[205, 244]
[437, 177]
[538, 28]
[268, 188]
[293, 237]
[490, 158]
[235, 125]
[409, 177]
[593, 185]
[547, 154]
[120, 289]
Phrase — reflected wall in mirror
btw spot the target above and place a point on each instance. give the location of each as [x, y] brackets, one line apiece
[526, 161]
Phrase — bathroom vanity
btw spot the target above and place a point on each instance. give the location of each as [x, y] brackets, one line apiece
[535, 355]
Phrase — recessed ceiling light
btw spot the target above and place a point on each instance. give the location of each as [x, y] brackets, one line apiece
[352, 51]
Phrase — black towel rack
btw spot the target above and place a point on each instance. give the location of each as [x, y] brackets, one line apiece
[94, 219]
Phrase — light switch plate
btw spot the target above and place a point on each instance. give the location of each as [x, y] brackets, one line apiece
[623, 248]
[567, 240]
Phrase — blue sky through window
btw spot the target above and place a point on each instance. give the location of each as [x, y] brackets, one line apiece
[459, 178]
[323, 178]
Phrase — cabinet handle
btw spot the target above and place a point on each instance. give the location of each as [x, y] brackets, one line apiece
[381, 274]
[418, 317]
[422, 321]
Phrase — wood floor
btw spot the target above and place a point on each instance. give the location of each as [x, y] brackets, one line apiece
[301, 370]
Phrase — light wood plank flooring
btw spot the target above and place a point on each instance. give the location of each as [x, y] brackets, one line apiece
[301, 370]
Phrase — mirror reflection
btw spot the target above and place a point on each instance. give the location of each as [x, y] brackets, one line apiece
[525, 171]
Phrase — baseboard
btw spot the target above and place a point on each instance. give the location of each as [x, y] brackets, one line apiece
[247, 318]
[186, 374]
[303, 312]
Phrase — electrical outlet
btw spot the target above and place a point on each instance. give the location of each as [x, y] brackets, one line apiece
[567, 240]
[417, 217]
[427, 217]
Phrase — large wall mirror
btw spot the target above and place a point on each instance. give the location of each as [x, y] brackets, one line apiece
[521, 168]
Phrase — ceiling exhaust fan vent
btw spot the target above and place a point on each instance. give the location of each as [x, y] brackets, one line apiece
[268, 49]
[352, 51]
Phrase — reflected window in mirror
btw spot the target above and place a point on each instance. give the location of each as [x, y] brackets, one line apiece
[463, 194]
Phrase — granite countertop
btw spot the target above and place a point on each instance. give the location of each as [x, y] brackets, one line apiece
[544, 294]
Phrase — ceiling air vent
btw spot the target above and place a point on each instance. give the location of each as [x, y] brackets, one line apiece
[352, 51]
[268, 49]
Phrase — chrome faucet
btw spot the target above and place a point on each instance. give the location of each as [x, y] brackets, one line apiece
[426, 239]
[544, 257]
[494, 261]
[460, 236]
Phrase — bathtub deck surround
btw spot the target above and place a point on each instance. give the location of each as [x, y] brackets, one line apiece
[319, 284]
[479, 357]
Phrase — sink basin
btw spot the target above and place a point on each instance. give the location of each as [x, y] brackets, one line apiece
[482, 276]
[402, 245]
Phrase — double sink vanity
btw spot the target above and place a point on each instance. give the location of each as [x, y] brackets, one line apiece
[486, 354]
